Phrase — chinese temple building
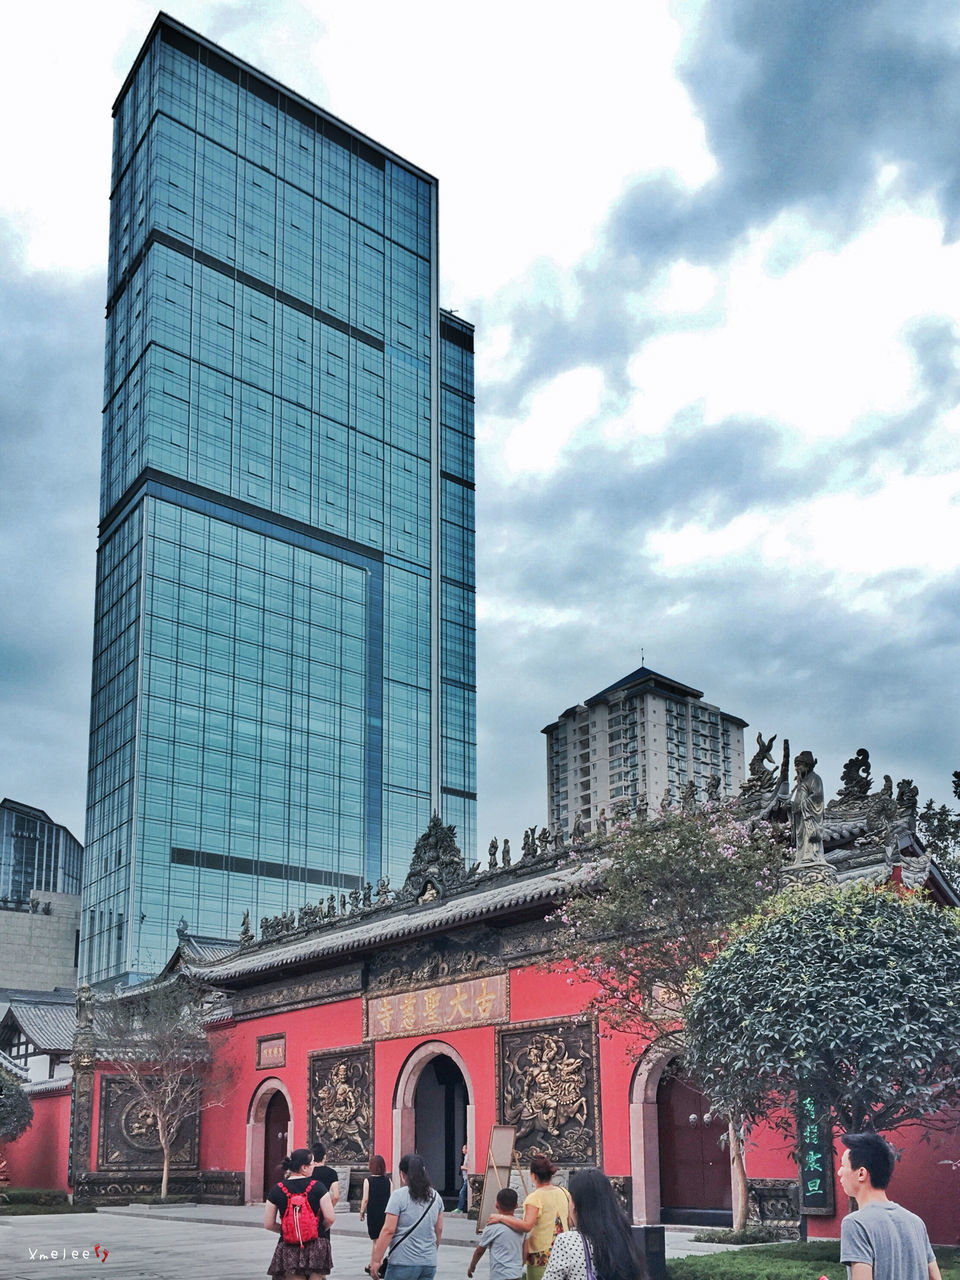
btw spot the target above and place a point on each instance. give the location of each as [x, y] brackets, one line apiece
[417, 1019]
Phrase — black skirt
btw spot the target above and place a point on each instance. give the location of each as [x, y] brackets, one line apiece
[295, 1259]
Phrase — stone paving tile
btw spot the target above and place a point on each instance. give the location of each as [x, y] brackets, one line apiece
[176, 1243]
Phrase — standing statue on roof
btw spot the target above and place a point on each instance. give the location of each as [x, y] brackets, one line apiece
[806, 810]
[492, 848]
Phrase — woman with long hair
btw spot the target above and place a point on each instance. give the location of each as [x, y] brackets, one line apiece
[412, 1226]
[600, 1244]
[310, 1259]
[376, 1193]
[546, 1214]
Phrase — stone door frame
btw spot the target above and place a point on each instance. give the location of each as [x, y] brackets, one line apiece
[256, 1114]
[645, 1136]
[404, 1111]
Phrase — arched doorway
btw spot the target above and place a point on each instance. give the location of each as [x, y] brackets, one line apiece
[434, 1113]
[269, 1137]
[440, 1121]
[661, 1185]
[694, 1164]
[276, 1124]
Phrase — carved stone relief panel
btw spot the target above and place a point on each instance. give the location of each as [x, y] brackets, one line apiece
[128, 1134]
[276, 997]
[425, 963]
[340, 1104]
[549, 1089]
[522, 940]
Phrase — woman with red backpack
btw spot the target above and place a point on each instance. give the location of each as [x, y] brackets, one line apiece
[295, 1207]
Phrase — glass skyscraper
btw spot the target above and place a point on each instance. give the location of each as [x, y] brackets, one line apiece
[284, 667]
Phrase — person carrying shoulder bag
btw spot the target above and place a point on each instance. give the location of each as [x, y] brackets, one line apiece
[412, 1227]
[599, 1245]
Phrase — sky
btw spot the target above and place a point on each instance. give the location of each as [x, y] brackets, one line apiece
[711, 251]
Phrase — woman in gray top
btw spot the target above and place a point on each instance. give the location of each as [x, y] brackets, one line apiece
[412, 1226]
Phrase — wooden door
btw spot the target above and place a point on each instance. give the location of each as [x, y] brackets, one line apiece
[694, 1166]
[275, 1124]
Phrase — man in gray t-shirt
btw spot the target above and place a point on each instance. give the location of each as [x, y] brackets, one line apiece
[882, 1240]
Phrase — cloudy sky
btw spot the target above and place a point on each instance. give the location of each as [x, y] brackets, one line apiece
[711, 251]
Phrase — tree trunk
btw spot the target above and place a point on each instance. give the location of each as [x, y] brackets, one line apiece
[166, 1171]
[738, 1179]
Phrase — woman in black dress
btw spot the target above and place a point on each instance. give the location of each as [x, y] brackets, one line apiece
[376, 1193]
[311, 1260]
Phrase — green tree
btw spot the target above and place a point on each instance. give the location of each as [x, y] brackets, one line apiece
[16, 1109]
[655, 901]
[850, 994]
[939, 829]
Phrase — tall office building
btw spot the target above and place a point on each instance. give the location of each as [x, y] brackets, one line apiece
[637, 739]
[35, 853]
[284, 673]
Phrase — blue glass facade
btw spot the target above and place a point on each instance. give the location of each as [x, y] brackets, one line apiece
[284, 676]
[35, 853]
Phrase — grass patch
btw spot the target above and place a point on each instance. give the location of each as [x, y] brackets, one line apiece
[793, 1261]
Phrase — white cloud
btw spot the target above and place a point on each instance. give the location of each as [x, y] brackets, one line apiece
[556, 414]
[813, 348]
[910, 526]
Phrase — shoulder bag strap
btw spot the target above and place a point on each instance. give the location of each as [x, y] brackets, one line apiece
[591, 1274]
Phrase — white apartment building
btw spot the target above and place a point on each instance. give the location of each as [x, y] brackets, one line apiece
[635, 741]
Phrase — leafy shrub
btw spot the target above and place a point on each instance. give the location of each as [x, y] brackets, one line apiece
[35, 1195]
[749, 1235]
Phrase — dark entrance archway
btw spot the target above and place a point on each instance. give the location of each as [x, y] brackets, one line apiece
[440, 1124]
[276, 1121]
[694, 1165]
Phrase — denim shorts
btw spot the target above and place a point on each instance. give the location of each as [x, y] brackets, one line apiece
[399, 1271]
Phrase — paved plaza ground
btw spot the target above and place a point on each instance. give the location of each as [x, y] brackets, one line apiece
[207, 1242]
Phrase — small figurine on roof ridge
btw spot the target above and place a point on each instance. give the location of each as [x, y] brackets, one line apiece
[855, 776]
[760, 777]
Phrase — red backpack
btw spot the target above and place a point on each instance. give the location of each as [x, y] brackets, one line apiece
[299, 1222]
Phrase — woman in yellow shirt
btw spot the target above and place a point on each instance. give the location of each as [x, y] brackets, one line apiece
[546, 1212]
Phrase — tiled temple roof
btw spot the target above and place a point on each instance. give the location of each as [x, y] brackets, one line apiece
[490, 895]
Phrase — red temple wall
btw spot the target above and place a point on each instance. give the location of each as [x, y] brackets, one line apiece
[924, 1181]
[535, 996]
[921, 1182]
[323, 1026]
[40, 1157]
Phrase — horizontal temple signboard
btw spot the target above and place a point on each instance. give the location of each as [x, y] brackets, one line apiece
[474, 1002]
[271, 1051]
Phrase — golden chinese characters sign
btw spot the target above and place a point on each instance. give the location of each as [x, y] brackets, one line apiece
[472, 1003]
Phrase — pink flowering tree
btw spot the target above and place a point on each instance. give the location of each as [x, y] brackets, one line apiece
[657, 901]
